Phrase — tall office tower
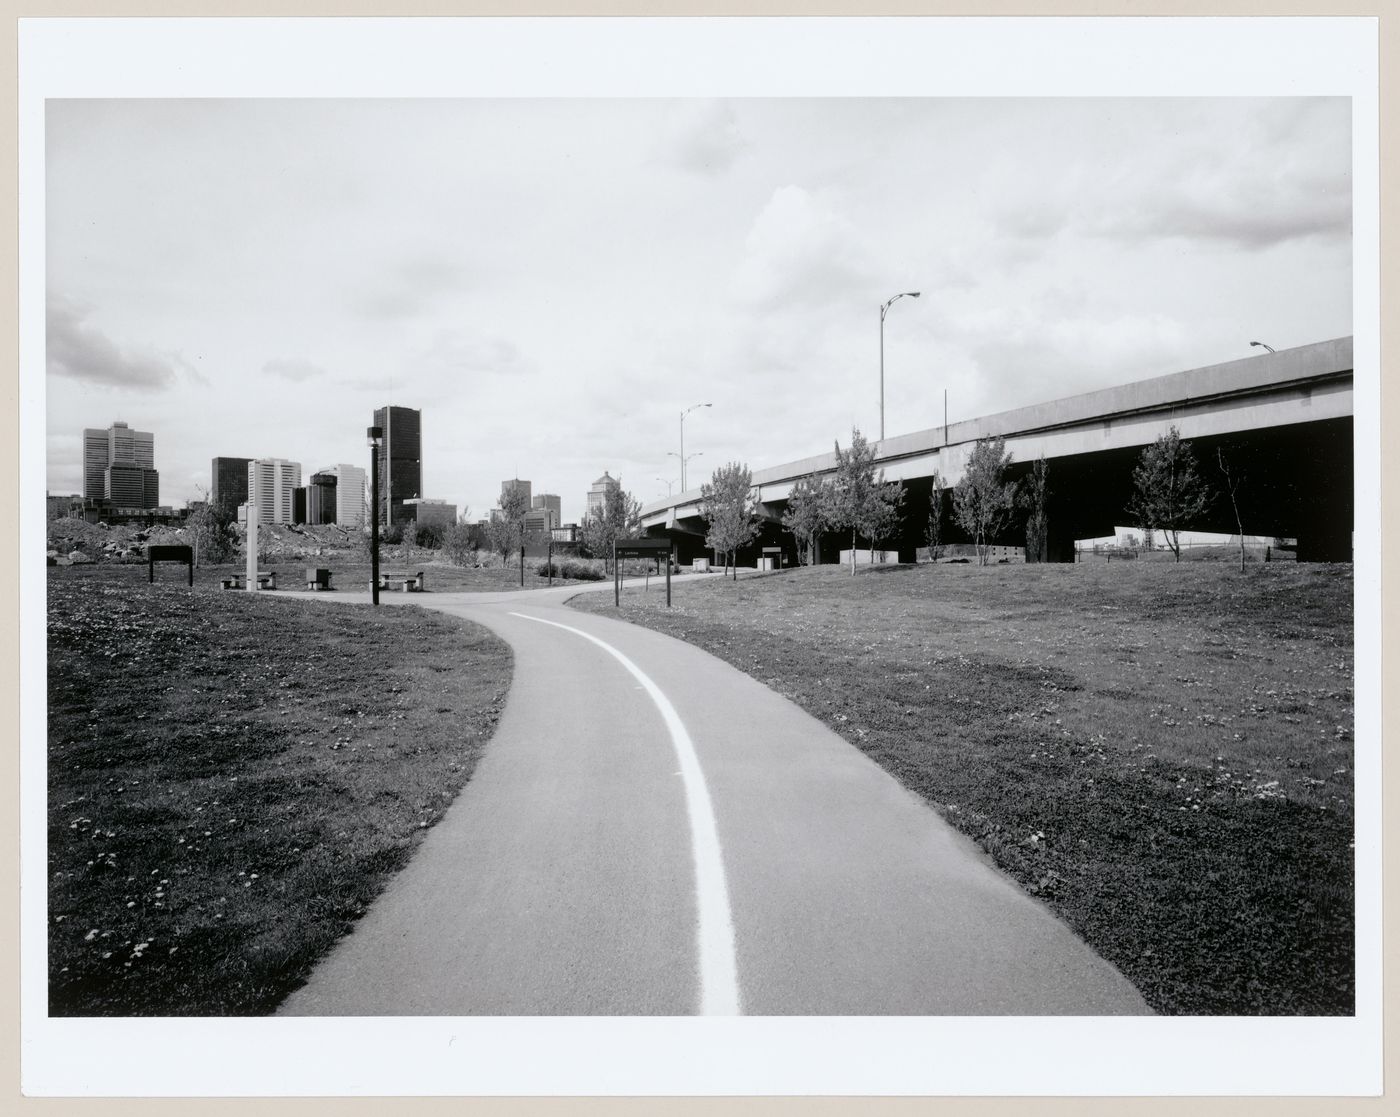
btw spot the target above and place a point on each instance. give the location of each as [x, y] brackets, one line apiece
[229, 482]
[321, 498]
[598, 491]
[94, 464]
[136, 483]
[519, 486]
[400, 460]
[350, 499]
[550, 503]
[272, 483]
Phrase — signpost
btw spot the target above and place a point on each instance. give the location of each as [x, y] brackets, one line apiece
[175, 552]
[251, 566]
[640, 548]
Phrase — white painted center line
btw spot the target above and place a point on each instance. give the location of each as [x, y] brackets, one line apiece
[719, 973]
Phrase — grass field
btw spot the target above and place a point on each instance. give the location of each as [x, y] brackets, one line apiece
[1162, 753]
[233, 778]
[440, 576]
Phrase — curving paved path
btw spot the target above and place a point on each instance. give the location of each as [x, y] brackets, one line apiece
[651, 831]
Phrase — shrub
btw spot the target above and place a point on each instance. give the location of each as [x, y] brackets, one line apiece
[579, 569]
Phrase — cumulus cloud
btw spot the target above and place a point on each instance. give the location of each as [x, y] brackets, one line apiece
[293, 368]
[1283, 174]
[701, 137]
[801, 250]
[79, 350]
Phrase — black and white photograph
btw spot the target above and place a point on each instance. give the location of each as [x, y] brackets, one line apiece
[540, 555]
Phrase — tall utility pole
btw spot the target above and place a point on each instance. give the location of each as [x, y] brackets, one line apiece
[884, 308]
[375, 437]
[684, 413]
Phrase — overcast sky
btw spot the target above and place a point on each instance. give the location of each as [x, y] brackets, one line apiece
[553, 281]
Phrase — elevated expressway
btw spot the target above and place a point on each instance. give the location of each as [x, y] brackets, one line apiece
[1283, 421]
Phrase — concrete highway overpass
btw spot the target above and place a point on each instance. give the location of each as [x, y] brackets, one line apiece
[1283, 420]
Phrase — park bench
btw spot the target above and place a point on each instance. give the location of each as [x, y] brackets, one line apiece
[267, 580]
[408, 581]
[318, 578]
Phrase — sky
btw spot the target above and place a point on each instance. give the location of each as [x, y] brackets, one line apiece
[553, 281]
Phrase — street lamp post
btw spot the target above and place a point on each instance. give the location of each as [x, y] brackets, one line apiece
[375, 437]
[681, 455]
[884, 309]
[673, 454]
[1270, 348]
[667, 483]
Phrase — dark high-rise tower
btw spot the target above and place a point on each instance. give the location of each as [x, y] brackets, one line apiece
[400, 460]
[230, 483]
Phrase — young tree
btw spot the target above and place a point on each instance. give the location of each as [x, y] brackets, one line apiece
[861, 499]
[807, 515]
[886, 515]
[461, 543]
[982, 502]
[1233, 481]
[1034, 496]
[617, 517]
[211, 528]
[933, 532]
[1168, 491]
[506, 529]
[730, 507]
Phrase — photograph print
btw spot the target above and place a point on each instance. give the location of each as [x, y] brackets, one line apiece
[557, 557]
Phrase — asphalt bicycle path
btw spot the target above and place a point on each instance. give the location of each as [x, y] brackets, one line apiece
[652, 832]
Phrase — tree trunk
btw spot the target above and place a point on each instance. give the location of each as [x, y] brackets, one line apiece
[853, 552]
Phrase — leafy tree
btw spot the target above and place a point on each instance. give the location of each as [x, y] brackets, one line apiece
[983, 502]
[429, 536]
[462, 542]
[506, 529]
[1168, 491]
[730, 507]
[808, 514]
[1034, 496]
[861, 498]
[887, 515]
[933, 532]
[617, 517]
[212, 532]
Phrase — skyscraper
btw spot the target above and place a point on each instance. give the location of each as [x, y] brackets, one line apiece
[119, 466]
[229, 482]
[598, 492]
[321, 498]
[400, 460]
[272, 483]
[350, 499]
[519, 486]
[551, 503]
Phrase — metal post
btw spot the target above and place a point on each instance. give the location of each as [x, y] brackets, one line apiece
[882, 371]
[551, 560]
[374, 524]
[151, 567]
[668, 577]
[522, 565]
[617, 587]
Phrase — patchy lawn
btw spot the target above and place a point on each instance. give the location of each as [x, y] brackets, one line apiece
[1162, 753]
[233, 779]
